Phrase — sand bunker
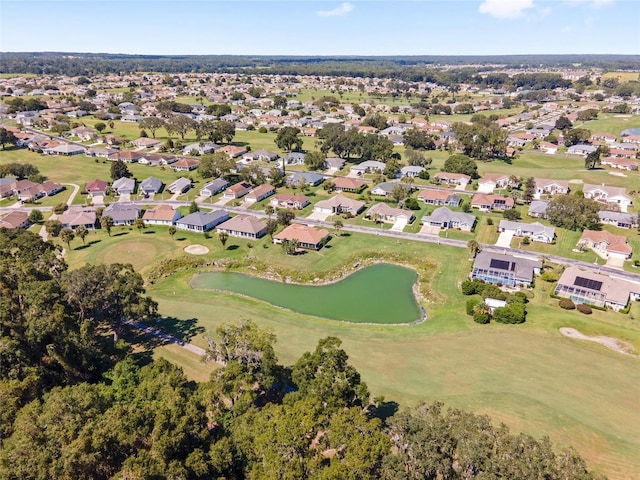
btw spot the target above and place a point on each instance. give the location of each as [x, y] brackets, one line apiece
[617, 174]
[609, 342]
[196, 249]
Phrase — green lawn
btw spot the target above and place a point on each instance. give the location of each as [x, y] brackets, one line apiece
[528, 376]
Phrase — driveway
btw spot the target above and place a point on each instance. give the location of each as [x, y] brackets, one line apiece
[97, 200]
[504, 240]
[399, 225]
[321, 216]
[430, 230]
[125, 197]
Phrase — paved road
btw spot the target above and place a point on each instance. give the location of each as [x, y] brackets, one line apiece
[405, 236]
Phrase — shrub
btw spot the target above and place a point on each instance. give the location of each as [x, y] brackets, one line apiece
[586, 309]
[514, 313]
[526, 241]
[471, 287]
[472, 303]
[493, 291]
[566, 304]
[412, 204]
[549, 276]
[60, 208]
[518, 297]
[489, 221]
[481, 317]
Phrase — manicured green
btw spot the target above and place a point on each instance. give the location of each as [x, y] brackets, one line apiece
[378, 294]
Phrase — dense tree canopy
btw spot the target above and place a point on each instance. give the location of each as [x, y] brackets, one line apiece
[573, 212]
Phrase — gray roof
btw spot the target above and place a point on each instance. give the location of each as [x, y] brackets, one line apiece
[386, 186]
[411, 169]
[523, 268]
[179, 185]
[7, 180]
[629, 218]
[121, 212]
[535, 228]
[152, 184]
[310, 177]
[124, 183]
[216, 185]
[539, 207]
[202, 219]
[444, 215]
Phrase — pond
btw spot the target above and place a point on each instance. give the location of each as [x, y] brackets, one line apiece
[380, 293]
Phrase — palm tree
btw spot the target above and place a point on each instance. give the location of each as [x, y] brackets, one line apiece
[338, 225]
[172, 231]
[269, 210]
[223, 237]
[474, 248]
[139, 224]
[106, 222]
[81, 232]
[66, 235]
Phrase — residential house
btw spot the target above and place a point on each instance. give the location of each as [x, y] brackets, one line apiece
[548, 148]
[15, 219]
[411, 171]
[307, 236]
[286, 200]
[161, 215]
[155, 159]
[294, 158]
[201, 222]
[213, 187]
[334, 163]
[50, 188]
[339, 204]
[233, 151]
[259, 193]
[368, 166]
[124, 186]
[96, 187]
[458, 179]
[585, 286]
[150, 185]
[538, 209]
[605, 244]
[348, 184]
[432, 196]
[444, 218]
[66, 149]
[125, 156]
[309, 178]
[385, 189]
[487, 202]
[122, 213]
[204, 148]
[490, 181]
[609, 195]
[146, 142]
[100, 152]
[501, 269]
[260, 155]
[75, 217]
[238, 190]
[581, 149]
[535, 231]
[181, 185]
[185, 164]
[618, 219]
[244, 226]
[84, 133]
[382, 212]
[545, 186]
[620, 163]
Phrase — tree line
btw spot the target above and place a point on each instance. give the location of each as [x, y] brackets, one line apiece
[74, 403]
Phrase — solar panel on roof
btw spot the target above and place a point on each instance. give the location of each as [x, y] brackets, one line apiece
[587, 283]
[499, 264]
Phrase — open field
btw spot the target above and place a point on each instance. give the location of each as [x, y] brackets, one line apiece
[528, 376]
[623, 76]
[610, 123]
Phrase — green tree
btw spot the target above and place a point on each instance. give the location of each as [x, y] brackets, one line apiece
[180, 124]
[418, 140]
[193, 207]
[326, 376]
[288, 139]
[314, 160]
[100, 126]
[119, 170]
[461, 164]
[474, 248]
[35, 216]
[285, 216]
[575, 136]
[153, 124]
[53, 227]
[81, 233]
[573, 212]
[272, 227]
[529, 190]
[223, 237]
[172, 231]
[338, 225]
[66, 235]
[481, 141]
[139, 224]
[7, 137]
[215, 165]
[106, 222]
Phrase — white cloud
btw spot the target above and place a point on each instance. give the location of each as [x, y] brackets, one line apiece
[591, 3]
[505, 8]
[340, 10]
[545, 12]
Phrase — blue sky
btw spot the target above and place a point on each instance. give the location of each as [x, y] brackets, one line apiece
[301, 27]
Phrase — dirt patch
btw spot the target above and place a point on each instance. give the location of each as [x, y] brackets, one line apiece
[196, 249]
[612, 343]
[617, 174]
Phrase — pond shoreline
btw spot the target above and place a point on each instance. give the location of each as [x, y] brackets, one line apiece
[344, 273]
